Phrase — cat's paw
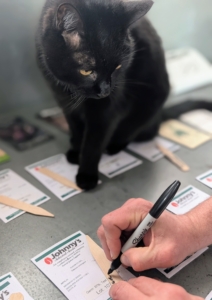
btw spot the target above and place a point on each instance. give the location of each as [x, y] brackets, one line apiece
[73, 157]
[87, 181]
[115, 148]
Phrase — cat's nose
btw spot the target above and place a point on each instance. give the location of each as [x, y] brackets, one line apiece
[104, 90]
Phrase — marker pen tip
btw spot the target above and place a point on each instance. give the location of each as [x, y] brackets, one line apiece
[109, 272]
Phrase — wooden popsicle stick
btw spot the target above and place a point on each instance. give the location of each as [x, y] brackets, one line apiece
[59, 178]
[173, 158]
[35, 210]
[101, 260]
[2, 152]
[16, 296]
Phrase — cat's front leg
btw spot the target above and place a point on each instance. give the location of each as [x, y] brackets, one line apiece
[95, 140]
[76, 126]
[92, 148]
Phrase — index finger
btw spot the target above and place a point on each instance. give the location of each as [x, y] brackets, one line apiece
[124, 291]
[126, 218]
[146, 285]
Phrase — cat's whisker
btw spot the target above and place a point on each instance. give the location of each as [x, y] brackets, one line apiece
[136, 51]
[139, 50]
[131, 81]
[112, 92]
[112, 96]
[126, 58]
[80, 100]
[70, 101]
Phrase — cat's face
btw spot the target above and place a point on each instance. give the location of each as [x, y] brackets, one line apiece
[87, 45]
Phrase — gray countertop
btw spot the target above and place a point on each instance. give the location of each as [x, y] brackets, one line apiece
[27, 236]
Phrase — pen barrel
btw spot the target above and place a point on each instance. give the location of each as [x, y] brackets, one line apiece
[139, 233]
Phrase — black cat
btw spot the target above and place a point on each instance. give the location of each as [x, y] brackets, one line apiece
[106, 66]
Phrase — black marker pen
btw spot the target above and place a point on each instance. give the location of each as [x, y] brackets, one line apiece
[147, 222]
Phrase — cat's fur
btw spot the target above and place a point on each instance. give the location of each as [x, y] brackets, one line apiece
[109, 108]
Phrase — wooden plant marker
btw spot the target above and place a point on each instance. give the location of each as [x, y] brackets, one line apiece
[173, 158]
[16, 296]
[59, 178]
[35, 210]
[102, 261]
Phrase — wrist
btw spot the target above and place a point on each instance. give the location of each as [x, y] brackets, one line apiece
[191, 232]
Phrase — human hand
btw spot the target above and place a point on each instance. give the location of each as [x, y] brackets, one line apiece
[167, 243]
[144, 288]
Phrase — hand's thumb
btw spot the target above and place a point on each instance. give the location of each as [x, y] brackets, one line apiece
[139, 259]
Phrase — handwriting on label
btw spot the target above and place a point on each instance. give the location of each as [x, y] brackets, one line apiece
[3, 295]
[111, 279]
[97, 289]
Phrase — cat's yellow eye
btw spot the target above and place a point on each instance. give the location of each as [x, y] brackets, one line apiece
[85, 73]
[119, 67]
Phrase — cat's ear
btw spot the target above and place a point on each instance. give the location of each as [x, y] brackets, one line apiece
[68, 18]
[69, 23]
[137, 8]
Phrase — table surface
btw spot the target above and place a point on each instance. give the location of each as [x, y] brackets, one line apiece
[27, 236]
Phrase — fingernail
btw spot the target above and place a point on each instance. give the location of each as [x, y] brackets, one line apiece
[125, 261]
[111, 254]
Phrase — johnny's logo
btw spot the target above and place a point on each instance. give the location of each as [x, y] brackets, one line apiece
[175, 204]
[71, 246]
[183, 199]
[48, 260]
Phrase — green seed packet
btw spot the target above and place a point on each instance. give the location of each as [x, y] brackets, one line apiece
[3, 156]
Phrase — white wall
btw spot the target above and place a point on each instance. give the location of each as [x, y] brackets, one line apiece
[184, 23]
